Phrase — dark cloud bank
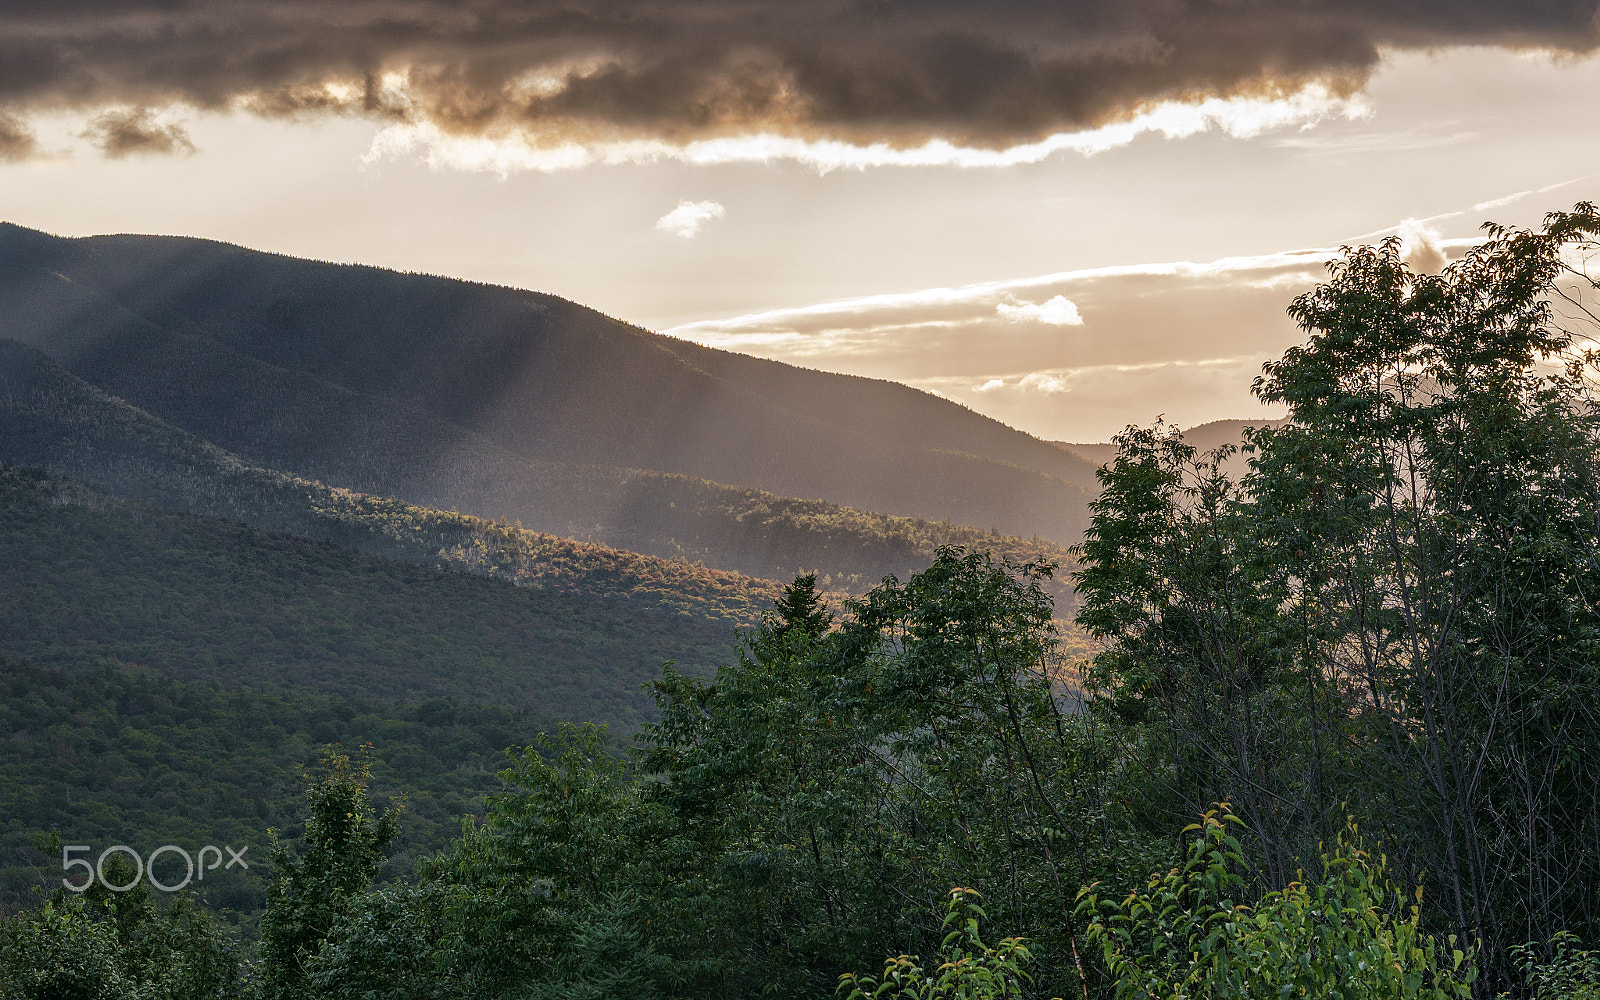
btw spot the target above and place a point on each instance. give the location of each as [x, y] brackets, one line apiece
[981, 72]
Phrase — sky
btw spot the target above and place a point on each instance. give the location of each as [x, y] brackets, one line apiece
[1071, 215]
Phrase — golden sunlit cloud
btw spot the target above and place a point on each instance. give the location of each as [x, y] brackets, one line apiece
[513, 150]
[1066, 355]
[509, 85]
[1422, 246]
[1053, 299]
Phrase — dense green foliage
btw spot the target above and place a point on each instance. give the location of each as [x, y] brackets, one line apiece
[100, 945]
[797, 817]
[806, 814]
[120, 756]
[90, 580]
[1394, 613]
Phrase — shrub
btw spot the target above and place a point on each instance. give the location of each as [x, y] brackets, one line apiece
[968, 969]
[1191, 934]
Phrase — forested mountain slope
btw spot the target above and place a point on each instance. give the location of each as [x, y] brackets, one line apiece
[52, 419]
[93, 580]
[183, 328]
[121, 754]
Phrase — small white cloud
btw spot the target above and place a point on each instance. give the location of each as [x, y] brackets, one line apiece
[689, 218]
[1058, 311]
[1420, 246]
[1050, 383]
[991, 385]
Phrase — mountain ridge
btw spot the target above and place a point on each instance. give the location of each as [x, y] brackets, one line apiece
[51, 418]
[537, 375]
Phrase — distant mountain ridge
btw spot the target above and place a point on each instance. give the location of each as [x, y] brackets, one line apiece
[219, 340]
[1204, 437]
[53, 419]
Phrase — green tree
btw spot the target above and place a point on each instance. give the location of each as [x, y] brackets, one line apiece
[385, 944]
[344, 844]
[804, 811]
[60, 952]
[825, 791]
[1437, 495]
[799, 607]
[1204, 655]
[536, 899]
[1395, 607]
[100, 943]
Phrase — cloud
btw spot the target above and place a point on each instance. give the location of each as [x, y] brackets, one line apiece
[606, 77]
[689, 218]
[133, 131]
[1501, 202]
[17, 141]
[505, 152]
[1057, 311]
[916, 315]
[1179, 337]
[1422, 247]
[1432, 136]
[1093, 402]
